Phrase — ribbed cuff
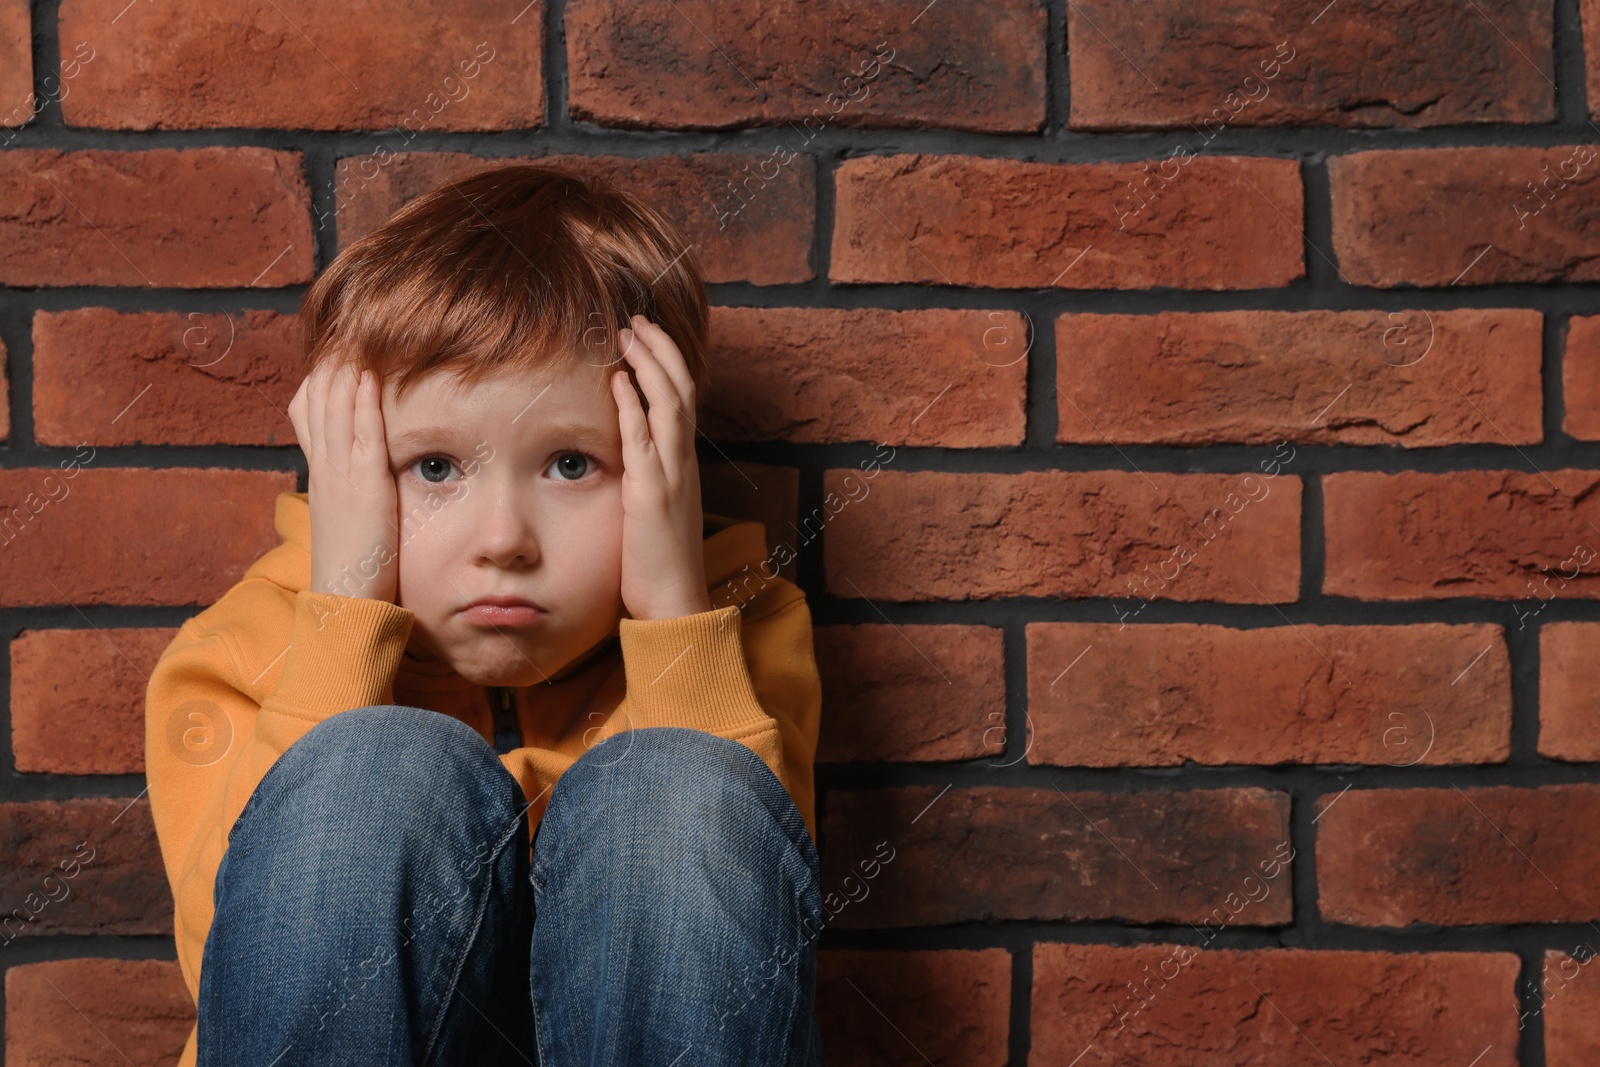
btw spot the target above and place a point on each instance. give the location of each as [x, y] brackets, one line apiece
[689, 671]
[343, 653]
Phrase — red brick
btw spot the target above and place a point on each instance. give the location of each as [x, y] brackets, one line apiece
[756, 492]
[130, 536]
[157, 377]
[912, 694]
[953, 1004]
[16, 64]
[1589, 17]
[1388, 229]
[1414, 379]
[1569, 674]
[77, 1011]
[385, 66]
[900, 535]
[1415, 536]
[1455, 857]
[77, 698]
[767, 241]
[831, 375]
[1569, 999]
[927, 856]
[1156, 1005]
[1580, 378]
[1284, 63]
[196, 217]
[1223, 222]
[1105, 695]
[710, 64]
[89, 866]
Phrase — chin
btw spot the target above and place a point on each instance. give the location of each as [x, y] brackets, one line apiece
[518, 673]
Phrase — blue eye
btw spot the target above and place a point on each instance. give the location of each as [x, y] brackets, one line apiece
[563, 464]
[432, 465]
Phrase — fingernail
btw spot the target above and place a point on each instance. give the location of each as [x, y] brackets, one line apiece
[626, 336]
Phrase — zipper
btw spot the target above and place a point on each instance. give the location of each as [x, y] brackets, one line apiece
[507, 731]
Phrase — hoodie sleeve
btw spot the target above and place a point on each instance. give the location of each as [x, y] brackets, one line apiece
[216, 720]
[752, 680]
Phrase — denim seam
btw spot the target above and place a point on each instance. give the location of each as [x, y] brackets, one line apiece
[538, 1026]
[470, 939]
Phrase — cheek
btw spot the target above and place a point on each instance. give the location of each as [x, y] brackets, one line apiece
[609, 528]
[426, 543]
[589, 540]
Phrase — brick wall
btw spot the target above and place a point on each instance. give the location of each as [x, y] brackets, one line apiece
[1185, 416]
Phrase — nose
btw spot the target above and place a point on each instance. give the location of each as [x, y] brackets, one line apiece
[505, 530]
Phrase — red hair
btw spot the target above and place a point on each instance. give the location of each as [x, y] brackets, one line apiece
[518, 267]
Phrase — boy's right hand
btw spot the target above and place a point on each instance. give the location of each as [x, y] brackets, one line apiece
[354, 506]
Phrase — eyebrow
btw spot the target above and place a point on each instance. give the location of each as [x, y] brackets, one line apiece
[581, 433]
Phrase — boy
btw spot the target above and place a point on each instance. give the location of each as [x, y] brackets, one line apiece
[498, 618]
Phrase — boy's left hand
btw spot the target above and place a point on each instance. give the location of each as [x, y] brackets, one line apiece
[663, 562]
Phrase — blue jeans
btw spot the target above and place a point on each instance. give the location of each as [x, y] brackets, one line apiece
[373, 906]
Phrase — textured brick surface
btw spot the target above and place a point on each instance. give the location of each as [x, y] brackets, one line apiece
[761, 236]
[89, 866]
[1580, 378]
[1104, 695]
[1162, 1004]
[196, 217]
[1496, 228]
[1459, 856]
[944, 1006]
[1415, 379]
[872, 676]
[16, 63]
[1590, 17]
[914, 535]
[77, 698]
[1218, 223]
[1170, 63]
[130, 536]
[981, 854]
[1415, 536]
[821, 375]
[406, 67]
[164, 377]
[804, 67]
[76, 1011]
[1569, 1000]
[1569, 681]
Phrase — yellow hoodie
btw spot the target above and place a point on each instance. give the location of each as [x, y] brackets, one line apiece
[248, 676]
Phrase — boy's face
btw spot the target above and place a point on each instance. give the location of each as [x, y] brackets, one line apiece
[512, 486]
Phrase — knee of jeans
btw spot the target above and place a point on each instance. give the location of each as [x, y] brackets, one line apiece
[388, 755]
[677, 775]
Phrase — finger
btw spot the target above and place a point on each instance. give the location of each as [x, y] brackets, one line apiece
[658, 345]
[637, 447]
[670, 357]
[317, 409]
[666, 413]
[326, 402]
[371, 443]
[339, 430]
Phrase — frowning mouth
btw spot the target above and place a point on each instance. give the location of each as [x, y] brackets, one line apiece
[501, 610]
